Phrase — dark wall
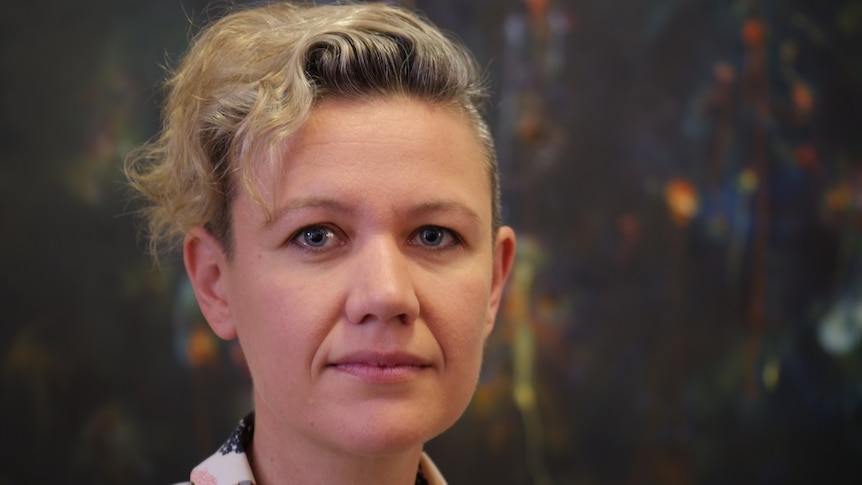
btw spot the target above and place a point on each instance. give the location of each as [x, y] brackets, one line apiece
[686, 180]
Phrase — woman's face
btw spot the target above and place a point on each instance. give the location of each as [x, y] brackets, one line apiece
[363, 305]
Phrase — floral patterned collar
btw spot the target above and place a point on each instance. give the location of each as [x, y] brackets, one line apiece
[229, 465]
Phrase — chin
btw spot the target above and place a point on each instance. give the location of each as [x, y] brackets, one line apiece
[392, 435]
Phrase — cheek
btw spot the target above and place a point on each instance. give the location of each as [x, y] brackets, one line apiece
[459, 317]
[459, 330]
[281, 324]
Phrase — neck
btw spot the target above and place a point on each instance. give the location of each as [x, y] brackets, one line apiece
[279, 457]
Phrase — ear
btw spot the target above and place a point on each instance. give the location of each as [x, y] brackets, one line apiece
[504, 256]
[206, 264]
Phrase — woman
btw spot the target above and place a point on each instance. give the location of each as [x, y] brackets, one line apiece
[334, 190]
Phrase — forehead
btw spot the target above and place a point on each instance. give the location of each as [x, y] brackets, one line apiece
[337, 119]
[369, 145]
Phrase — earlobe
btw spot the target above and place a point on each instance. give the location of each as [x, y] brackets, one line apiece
[504, 257]
[206, 263]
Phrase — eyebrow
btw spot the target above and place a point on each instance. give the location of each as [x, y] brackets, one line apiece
[336, 206]
[305, 203]
[444, 206]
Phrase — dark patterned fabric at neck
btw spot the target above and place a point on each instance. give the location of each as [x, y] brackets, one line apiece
[420, 478]
[241, 438]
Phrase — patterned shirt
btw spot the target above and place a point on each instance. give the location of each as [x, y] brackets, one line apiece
[229, 465]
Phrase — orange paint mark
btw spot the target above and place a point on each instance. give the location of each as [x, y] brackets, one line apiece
[753, 32]
[840, 198]
[724, 73]
[516, 305]
[538, 8]
[682, 201]
[202, 348]
[806, 156]
[531, 128]
[803, 98]
[629, 227]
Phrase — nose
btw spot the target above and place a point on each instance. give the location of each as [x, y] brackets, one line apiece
[382, 287]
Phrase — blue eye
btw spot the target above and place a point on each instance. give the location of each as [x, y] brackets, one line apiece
[431, 236]
[436, 238]
[315, 236]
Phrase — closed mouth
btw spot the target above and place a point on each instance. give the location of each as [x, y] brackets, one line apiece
[380, 366]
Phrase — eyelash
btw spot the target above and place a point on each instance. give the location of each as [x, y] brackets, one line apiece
[332, 233]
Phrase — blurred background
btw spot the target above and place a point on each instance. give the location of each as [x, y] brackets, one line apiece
[686, 180]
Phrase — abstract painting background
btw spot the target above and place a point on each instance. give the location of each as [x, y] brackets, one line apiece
[686, 180]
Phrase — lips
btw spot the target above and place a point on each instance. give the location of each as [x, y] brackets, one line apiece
[380, 367]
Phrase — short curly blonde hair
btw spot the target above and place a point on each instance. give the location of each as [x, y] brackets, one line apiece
[250, 80]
